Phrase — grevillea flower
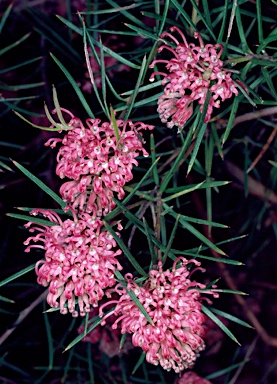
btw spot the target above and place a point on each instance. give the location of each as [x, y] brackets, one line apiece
[191, 72]
[98, 162]
[172, 301]
[192, 378]
[79, 261]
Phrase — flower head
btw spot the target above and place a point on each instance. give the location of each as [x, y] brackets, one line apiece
[98, 161]
[174, 338]
[79, 261]
[190, 73]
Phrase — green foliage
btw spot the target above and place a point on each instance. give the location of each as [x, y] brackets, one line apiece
[175, 205]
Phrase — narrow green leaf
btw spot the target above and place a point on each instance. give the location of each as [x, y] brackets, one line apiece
[203, 185]
[125, 250]
[128, 214]
[5, 16]
[70, 25]
[217, 140]
[19, 87]
[219, 323]
[127, 198]
[127, 14]
[153, 157]
[49, 339]
[103, 79]
[269, 82]
[15, 44]
[138, 364]
[201, 237]
[192, 219]
[32, 219]
[266, 41]
[114, 124]
[58, 109]
[215, 259]
[75, 86]
[231, 318]
[6, 300]
[37, 126]
[240, 25]
[231, 119]
[143, 32]
[230, 291]
[135, 92]
[122, 340]
[184, 14]
[82, 335]
[47, 29]
[143, 88]
[17, 275]
[176, 163]
[8, 69]
[172, 236]
[226, 370]
[90, 364]
[200, 14]
[223, 24]
[139, 305]
[150, 244]
[207, 13]
[113, 54]
[88, 63]
[111, 10]
[183, 192]
[40, 184]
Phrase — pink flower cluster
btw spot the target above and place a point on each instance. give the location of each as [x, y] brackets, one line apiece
[98, 162]
[174, 338]
[191, 73]
[192, 378]
[79, 261]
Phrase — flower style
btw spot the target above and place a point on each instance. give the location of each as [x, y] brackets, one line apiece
[98, 162]
[191, 73]
[79, 261]
[171, 299]
[192, 378]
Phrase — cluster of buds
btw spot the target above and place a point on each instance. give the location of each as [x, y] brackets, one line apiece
[191, 73]
[174, 337]
[79, 263]
[99, 159]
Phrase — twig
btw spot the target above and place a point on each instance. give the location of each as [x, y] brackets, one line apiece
[255, 187]
[22, 316]
[255, 115]
[247, 357]
[264, 149]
